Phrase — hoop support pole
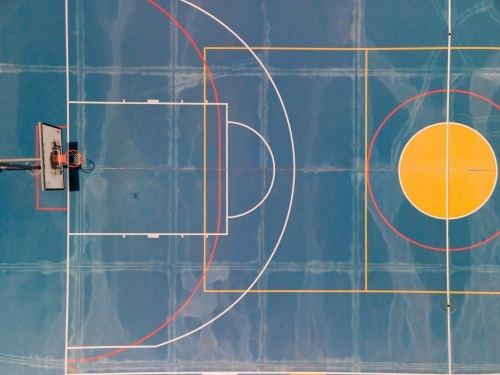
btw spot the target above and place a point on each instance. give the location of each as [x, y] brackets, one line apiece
[17, 167]
[21, 160]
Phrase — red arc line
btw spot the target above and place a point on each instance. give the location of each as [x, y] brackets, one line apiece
[219, 169]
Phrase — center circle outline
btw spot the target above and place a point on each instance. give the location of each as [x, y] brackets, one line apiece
[480, 136]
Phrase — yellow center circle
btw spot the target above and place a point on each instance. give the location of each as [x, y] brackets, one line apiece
[472, 170]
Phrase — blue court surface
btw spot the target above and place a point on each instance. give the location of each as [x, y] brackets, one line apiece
[268, 196]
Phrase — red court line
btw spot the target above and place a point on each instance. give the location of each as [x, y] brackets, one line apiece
[37, 188]
[219, 170]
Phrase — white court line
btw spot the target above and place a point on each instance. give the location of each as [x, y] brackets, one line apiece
[145, 234]
[273, 373]
[448, 298]
[66, 337]
[227, 169]
[284, 225]
[274, 169]
[146, 103]
[155, 103]
[444, 217]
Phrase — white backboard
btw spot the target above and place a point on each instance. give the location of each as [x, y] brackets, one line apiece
[50, 138]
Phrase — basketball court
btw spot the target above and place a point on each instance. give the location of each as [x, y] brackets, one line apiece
[251, 187]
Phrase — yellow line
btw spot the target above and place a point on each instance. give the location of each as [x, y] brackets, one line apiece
[366, 49]
[436, 48]
[345, 291]
[480, 48]
[287, 48]
[476, 292]
[204, 167]
[366, 169]
[328, 291]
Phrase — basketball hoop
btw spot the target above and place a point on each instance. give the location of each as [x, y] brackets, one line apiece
[72, 158]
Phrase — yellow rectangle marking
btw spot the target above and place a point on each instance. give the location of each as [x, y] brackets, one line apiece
[348, 291]
[361, 291]
[437, 48]
[204, 167]
[366, 170]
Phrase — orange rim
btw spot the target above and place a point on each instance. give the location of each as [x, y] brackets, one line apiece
[74, 158]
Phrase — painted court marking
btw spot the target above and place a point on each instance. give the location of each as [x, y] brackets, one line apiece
[194, 291]
[370, 150]
[147, 103]
[447, 200]
[472, 170]
[366, 51]
[218, 105]
[66, 328]
[122, 348]
[367, 139]
[274, 373]
[274, 169]
[447, 218]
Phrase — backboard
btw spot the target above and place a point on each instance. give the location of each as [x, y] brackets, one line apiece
[50, 138]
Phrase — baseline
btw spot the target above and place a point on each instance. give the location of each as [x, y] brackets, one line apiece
[268, 372]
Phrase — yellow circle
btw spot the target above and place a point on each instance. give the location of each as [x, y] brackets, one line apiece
[472, 170]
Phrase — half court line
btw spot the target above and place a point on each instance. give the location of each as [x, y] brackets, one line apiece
[447, 208]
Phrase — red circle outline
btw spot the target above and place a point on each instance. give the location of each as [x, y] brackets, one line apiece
[367, 169]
